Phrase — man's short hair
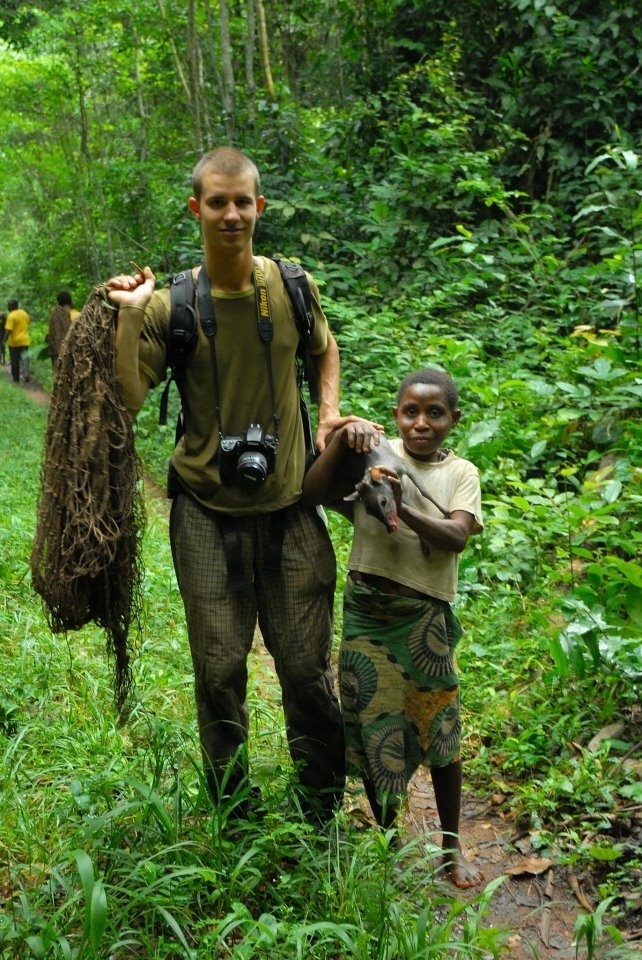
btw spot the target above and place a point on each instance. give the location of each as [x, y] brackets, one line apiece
[228, 161]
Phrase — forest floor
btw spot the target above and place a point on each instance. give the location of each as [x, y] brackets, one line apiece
[539, 902]
[535, 903]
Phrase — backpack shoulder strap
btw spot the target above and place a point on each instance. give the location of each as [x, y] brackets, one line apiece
[296, 283]
[183, 324]
[183, 331]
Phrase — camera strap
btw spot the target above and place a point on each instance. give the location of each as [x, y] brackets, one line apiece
[266, 332]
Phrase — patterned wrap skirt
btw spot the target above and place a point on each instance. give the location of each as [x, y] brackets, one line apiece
[399, 686]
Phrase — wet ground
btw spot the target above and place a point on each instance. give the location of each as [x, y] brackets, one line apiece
[539, 901]
[535, 904]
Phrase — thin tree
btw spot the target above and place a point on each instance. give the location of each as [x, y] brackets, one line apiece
[250, 83]
[264, 49]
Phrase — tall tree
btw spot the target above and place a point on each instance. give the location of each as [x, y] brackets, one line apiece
[264, 48]
[227, 88]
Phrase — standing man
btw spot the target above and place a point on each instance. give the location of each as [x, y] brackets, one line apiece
[244, 547]
[60, 320]
[17, 333]
[3, 318]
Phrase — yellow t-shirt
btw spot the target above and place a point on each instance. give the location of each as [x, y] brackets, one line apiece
[17, 327]
[243, 393]
[399, 556]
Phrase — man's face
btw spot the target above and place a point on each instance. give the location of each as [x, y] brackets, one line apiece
[228, 210]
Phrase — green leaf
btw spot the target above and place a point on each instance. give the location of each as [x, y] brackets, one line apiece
[601, 369]
[559, 656]
[482, 431]
[443, 242]
[603, 852]
[629, 569]
[98, 920]
[633, 791]
[538, 448]
[630, 159]
[611, 491]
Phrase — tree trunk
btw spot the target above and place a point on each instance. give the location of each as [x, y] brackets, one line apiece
[229, 112]
[250, 84]
[264, 48]
[194, 73]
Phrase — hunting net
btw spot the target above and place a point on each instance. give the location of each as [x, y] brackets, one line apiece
[86, 557]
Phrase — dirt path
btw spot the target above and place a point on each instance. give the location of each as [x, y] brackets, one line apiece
[32, 387]
[537, 903]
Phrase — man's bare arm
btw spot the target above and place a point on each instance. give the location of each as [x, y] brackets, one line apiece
[327, 366]
[131, 294]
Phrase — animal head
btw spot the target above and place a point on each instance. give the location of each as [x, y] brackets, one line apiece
[376, 493]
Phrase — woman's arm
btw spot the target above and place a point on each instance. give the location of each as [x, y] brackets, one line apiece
[445, 533]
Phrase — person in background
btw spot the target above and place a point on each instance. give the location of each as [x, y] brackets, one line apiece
[3, 335]
[244, 547]
[398, 681]
[17, 332]
[62, 316]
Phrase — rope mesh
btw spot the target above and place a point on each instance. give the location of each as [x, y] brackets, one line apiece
[86, 558]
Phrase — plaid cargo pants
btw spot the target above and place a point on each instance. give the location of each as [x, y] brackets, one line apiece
[293, 603]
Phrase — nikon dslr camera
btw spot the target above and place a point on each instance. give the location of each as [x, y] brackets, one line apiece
[248, 459]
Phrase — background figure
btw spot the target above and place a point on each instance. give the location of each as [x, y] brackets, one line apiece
[60, 320]
[17, 329]
[3, 346]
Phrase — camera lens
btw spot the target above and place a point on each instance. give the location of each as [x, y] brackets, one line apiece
[251, 467]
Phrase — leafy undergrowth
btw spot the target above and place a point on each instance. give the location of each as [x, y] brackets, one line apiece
[109, 846]
[551, 594]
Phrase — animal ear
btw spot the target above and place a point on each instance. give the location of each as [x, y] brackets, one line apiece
[358, 490]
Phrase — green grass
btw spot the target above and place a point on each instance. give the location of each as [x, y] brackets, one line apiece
[109, 847]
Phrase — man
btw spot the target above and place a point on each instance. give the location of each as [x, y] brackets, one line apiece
[60, 320]
[244, 548]
[3, 318]
[17, 334]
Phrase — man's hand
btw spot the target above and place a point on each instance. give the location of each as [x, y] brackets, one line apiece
[132, 290]
[357, 433]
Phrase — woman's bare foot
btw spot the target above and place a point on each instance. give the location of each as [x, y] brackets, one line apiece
[462, 873]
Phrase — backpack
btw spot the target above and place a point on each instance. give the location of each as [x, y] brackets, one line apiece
[184, 332]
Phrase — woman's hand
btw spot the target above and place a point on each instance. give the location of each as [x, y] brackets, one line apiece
[395, 483]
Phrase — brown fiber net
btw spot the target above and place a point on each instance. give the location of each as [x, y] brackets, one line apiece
[86, 559]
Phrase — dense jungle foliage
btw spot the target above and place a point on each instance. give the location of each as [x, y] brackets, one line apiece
[464, 179]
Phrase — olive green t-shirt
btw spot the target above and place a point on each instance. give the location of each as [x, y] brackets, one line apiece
[243, 393]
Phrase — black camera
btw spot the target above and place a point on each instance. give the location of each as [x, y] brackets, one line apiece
[248, 459]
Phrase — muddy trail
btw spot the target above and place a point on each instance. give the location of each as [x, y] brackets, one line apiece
[539, 901]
